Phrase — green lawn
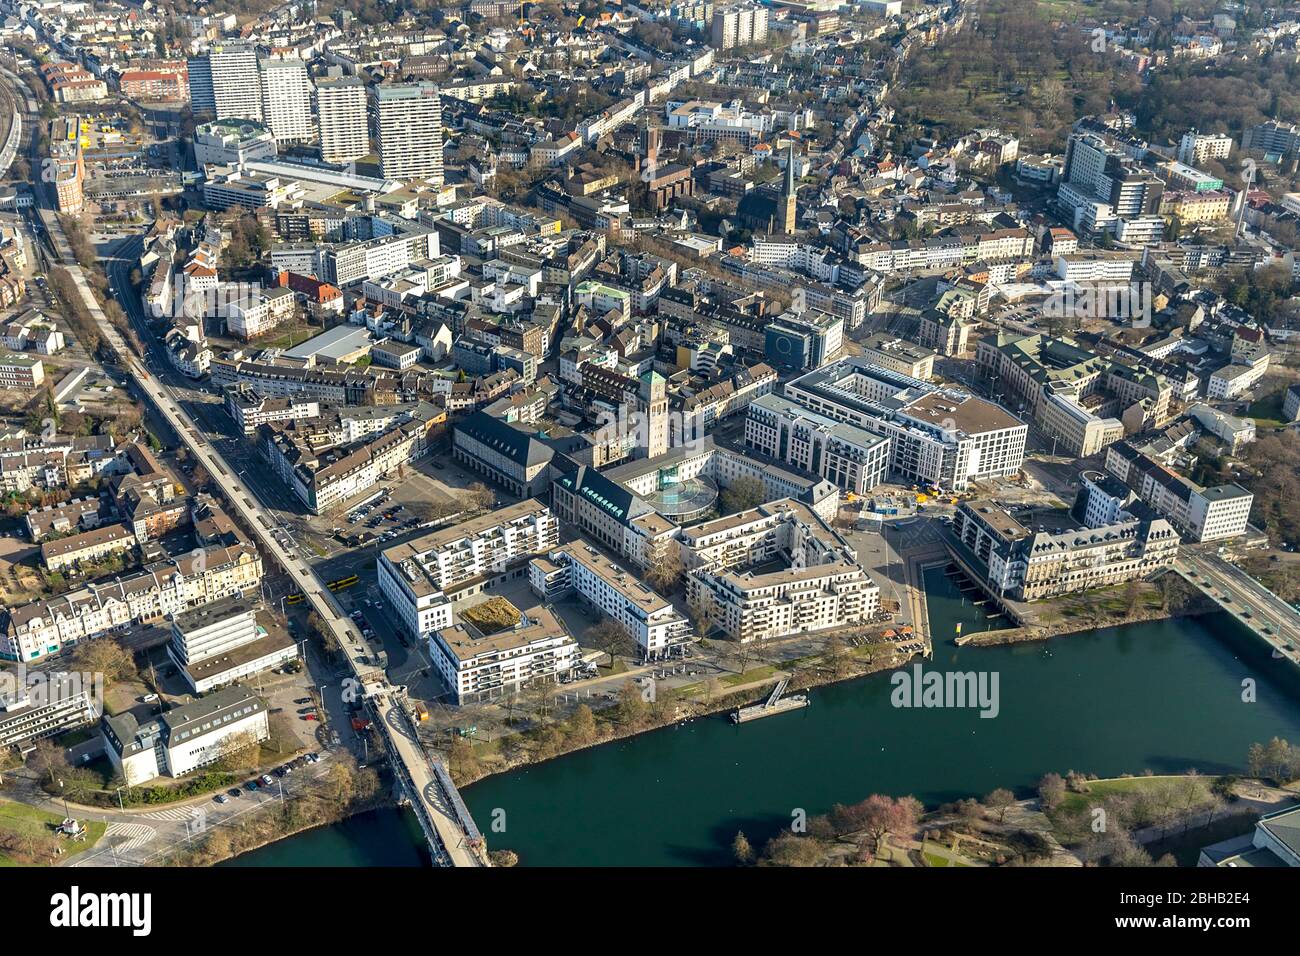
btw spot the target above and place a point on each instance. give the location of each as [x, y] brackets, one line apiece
[22, 819]
[1098, 790]
[1267, 411]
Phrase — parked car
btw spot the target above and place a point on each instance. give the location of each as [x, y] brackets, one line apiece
[148, 698]
[310, 717]
[221, 798]
[234, 792]
[251, 785]
[266, 779]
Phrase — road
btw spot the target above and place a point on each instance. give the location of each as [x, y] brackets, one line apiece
[1267, 615]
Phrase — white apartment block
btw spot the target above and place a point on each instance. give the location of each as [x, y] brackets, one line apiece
[478, 667]
[406, 120]
[650, 619]
[343, 119]
[1195, 148]
[820, 586]
[415, 575]
[287, 99]
[225, 81]
[248, 409]
[741, 25]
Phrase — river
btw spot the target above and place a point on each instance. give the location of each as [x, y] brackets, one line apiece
[1163, 696]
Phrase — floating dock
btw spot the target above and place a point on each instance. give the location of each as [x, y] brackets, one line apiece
[775, 704]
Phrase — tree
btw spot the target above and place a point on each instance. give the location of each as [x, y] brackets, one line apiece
[611, 637]
[582, 725]
[741, 850]
[480, 496]
[1051, 791]
[743, 493]
[106, 656]
[665, 568]
[836, 656]
[632, 707]
[702, 612]
[1000, 801]
[1277, 760]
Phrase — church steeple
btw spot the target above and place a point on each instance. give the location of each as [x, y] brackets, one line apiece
[786, 207]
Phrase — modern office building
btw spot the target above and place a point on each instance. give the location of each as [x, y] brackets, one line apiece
[343, 119]
[184, 738]
[406, 120]
[224, 642]
[232, 143]
[1199, 514]
[44, 704]
[853, 458]
[943, 437]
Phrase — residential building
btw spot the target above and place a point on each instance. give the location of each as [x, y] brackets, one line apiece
[650, 619]
[342, 116]
[226, 82]
[287, 99]
[819, 586]
[481, 667]
[406, 119]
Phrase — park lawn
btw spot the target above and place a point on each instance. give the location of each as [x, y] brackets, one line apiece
[753, 674]
[20, 818]
[1076, 803]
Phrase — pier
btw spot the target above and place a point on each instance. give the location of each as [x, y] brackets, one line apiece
[775, 704]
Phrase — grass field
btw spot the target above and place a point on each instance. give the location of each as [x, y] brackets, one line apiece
[22, 821]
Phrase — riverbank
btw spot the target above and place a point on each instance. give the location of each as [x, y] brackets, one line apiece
[1161, 696]
[344, 793]
[1121, 606]
[1141, 602]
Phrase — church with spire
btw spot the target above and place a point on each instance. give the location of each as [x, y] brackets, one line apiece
[770, 209]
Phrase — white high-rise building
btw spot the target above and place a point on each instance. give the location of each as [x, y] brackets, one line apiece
[742, 25]
[341, 113]
[286, 99]
[406, 119]
[225, 81]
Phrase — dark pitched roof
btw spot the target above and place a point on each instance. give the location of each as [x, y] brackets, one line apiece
[519, 446]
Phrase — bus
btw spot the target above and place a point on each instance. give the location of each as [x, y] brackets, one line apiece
[294, 598]
[342, 583]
